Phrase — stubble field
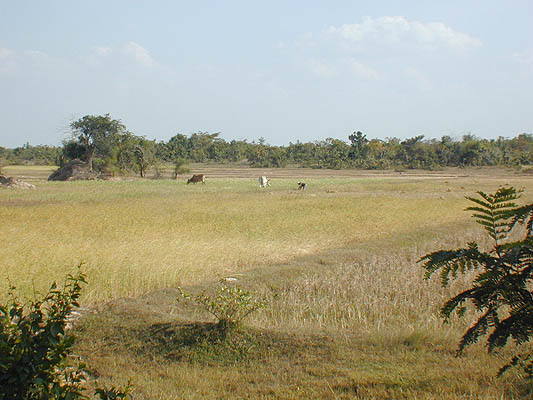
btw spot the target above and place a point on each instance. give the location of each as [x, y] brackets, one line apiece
[349, 315]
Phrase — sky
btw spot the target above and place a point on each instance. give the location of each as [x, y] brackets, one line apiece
[285, 71]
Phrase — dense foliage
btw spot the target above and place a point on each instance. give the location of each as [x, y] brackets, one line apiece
[501, 291]
[35, 342]
[108, 146]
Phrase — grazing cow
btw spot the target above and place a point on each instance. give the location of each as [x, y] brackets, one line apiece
[302, 186]
[196, 178]
[264, 181]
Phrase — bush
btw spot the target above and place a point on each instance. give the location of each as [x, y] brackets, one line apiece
[501, 291]
[229, 305]
[35, 342]
[114, 393]
[180, 168]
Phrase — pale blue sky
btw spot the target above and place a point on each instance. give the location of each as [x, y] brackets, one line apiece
[282, 70]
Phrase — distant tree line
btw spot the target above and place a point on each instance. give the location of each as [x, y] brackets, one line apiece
[28, 154]
[108, 146]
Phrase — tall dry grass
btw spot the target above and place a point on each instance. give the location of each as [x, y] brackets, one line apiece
[382, 295]
[135, 236]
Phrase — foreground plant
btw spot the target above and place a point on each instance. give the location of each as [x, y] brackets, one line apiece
[34, 345]
[501, 291]
[229, 305]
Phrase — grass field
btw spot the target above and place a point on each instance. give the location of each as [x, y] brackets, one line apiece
[349, 313]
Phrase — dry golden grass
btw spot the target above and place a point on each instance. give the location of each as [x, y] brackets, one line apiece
[135, 236]
[350, 314]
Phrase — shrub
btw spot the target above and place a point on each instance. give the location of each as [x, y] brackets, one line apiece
[114, 393]
[180, 168]
[501, 290]
[229, 305]
[35, 342]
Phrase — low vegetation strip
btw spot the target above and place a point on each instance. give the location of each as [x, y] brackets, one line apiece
[107, 146]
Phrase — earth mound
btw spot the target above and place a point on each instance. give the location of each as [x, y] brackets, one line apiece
[75, 170]
[7, 181]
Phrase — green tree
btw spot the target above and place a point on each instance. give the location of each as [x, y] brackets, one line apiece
[177, 147]
[522, 147]
[145, 154]
[125, 153]
[257, 154]
[335, 153]
[417, 153]
[237, 150]
[501, 292]
[198, 145]
[97, 134]
[359, 147]
[471, 151]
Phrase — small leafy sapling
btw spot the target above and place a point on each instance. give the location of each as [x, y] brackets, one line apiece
[230, 305]
[501, 291]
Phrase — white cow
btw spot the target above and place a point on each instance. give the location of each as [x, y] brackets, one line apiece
[264, 181]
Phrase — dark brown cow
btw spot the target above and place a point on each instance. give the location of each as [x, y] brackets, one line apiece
[196, 178]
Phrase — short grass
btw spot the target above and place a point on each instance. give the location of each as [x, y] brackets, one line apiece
[350, 315]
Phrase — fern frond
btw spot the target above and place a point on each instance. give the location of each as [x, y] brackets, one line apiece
[475, 331]
[523, 215]
[518, 326]
[504, 279]
[524, 360]
[492, 215]
[451, 262]
[484, 205]
[454, 303]
[494, 212]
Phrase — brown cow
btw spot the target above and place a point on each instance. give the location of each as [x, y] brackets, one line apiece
[196, 178]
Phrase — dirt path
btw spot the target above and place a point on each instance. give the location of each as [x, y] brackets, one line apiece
[229, 171]
[225, 171]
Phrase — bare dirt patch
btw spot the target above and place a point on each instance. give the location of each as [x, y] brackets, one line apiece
[237, 171]
[243, 171]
